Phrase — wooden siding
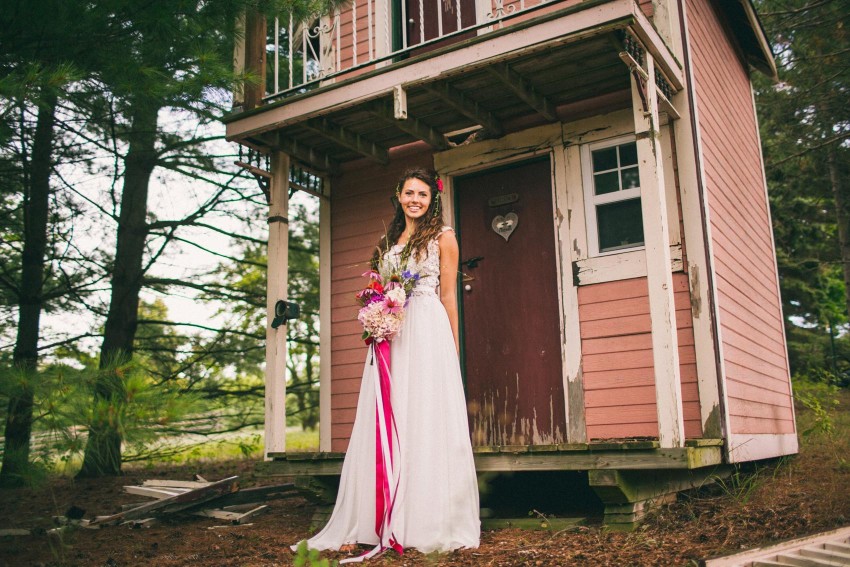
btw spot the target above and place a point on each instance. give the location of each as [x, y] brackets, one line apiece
[750, 317]
[358, 9]
[616, 348]
[360, 205]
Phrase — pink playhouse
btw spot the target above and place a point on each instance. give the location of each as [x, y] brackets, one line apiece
[620, 301]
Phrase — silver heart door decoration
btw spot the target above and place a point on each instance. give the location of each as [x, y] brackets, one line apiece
[504, 226]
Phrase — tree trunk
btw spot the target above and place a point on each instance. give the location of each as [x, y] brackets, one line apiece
[103, 449]
[25, 356]
[255, 57]
[842, 218]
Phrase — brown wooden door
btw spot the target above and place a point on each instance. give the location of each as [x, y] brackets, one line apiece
[509, 301]
[434, 11]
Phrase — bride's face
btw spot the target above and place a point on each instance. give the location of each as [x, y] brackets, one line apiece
[415, 198]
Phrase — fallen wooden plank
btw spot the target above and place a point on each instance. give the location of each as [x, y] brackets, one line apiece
[240, 507]
[250, 514]
[218, 514]
[258, 494]
[145, 523]
[232, 516]
[154, 492]
[133, 505]
[176, 483]
[175, 503]
[229, 526]
[87, 524]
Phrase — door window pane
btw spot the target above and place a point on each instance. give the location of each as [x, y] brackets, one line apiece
[620, 225]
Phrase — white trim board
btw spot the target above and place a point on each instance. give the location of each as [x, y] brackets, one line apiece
[278, 270]
[622, 266]
[325, 338]
[745, 447]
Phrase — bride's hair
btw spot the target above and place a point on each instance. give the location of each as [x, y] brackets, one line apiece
[428, 227]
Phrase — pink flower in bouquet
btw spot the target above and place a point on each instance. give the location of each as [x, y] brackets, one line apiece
[394, 301]
[378, 325]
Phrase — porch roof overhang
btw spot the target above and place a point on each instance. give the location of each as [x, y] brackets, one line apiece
[543, 69]
[742, 18]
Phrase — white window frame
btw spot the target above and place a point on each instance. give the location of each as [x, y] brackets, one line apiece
[591, 200]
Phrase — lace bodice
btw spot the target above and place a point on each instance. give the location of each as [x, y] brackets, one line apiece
[428, 266]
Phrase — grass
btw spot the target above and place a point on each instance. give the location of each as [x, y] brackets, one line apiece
[183, 450]
[241, 445]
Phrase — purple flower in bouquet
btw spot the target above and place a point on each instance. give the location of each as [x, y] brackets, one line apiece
[408, 275]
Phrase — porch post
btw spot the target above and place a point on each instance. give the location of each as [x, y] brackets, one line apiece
[325, 431]
[665, 344]
[278, 270]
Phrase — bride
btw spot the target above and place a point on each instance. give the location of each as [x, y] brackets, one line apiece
[433, 496]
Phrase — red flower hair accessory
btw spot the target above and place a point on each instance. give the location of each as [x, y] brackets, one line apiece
[439, 185]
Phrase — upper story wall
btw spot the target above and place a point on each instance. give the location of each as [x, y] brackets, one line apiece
[743, 256]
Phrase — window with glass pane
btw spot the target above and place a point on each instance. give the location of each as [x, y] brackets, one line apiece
[620, 225]
[615, 169]
[615, 197]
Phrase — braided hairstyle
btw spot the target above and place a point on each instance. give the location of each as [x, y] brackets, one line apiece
[428, 227]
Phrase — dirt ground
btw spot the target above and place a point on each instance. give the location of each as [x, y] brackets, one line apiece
[773, 501]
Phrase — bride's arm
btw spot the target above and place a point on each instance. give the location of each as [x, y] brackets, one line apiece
[448, 279]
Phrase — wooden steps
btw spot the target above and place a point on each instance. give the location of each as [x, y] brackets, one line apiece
[828, 549]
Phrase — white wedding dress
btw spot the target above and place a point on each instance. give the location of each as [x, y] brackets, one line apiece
[436, 506]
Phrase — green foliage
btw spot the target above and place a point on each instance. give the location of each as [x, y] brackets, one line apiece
[306, 557]
[804, 122]
[138, 407]
[741, 484]
[818, 393]
[242, 355]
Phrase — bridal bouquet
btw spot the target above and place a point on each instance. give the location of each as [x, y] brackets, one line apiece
[382, 303]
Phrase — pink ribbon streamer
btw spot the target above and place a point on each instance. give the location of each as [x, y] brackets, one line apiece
[386, 479]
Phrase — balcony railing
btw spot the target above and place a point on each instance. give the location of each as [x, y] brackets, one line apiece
[366, 34]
